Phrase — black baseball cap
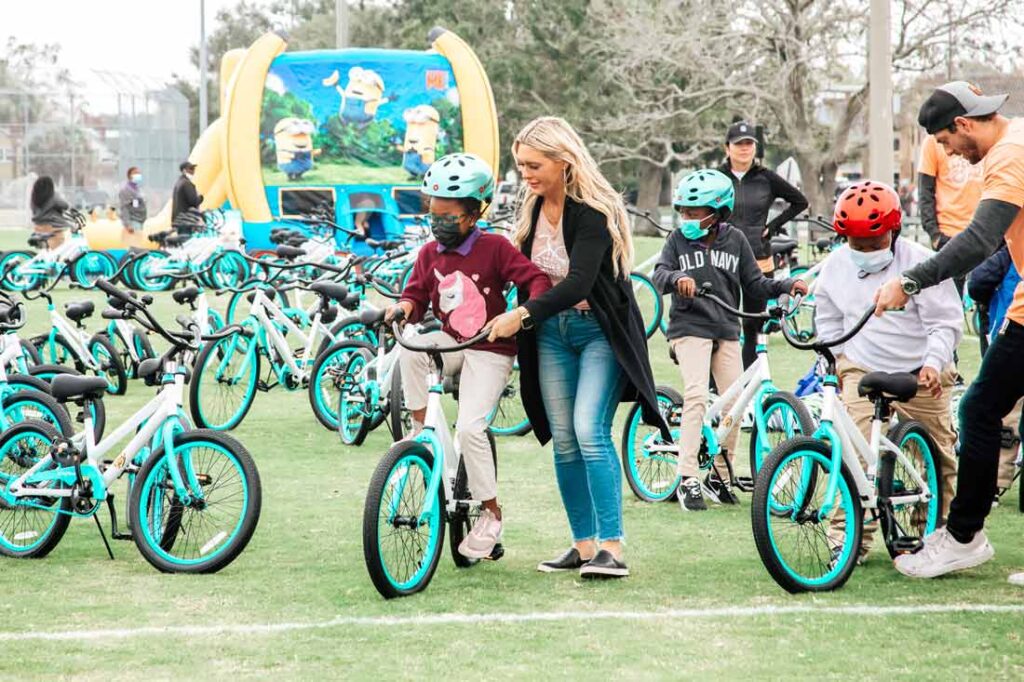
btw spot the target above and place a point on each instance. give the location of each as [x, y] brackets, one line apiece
[186, 165]
[949, 101]
[741, 130]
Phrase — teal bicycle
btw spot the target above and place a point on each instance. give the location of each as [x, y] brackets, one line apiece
[812, 493]
[418, 488]
[195, 495]
[650, 463]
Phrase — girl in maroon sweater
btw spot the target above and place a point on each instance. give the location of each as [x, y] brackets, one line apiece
[462, 277]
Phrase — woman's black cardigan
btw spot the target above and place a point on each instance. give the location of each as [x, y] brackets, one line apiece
[591, 277]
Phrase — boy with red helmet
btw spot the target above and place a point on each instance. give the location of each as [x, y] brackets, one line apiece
[920, 339]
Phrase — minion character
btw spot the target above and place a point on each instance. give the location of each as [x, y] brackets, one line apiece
[422, 126]
[361, 97]
[293, 141]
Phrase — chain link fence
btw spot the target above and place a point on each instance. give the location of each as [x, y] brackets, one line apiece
[86, 137]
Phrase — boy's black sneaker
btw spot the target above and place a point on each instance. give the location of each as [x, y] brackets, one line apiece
[718, 490]
[689, 496]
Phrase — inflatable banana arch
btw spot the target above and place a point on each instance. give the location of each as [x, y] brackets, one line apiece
[230, 171]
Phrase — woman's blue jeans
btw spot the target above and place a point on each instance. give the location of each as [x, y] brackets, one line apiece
[581, 383]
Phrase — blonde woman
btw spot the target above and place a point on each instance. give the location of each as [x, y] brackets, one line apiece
[589, 351]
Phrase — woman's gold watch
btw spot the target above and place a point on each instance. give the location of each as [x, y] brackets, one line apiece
[526, 322]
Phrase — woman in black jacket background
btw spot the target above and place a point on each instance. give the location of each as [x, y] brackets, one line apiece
[757, 188]
[589, 352]
[49, 212]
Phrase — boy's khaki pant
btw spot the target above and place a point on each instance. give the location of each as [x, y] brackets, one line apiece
[483, 376]
[698, 360]
[934, 413]
[1008, 456]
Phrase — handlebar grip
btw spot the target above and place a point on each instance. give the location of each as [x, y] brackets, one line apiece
[110, 290]
[113, 314]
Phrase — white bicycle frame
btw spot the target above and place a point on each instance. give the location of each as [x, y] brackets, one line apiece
[839, 429]
[41, 263]
[267, 313]
[77, 339]
[437, 436]
[150, 417]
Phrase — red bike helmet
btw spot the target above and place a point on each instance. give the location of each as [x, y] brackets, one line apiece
[867, 209]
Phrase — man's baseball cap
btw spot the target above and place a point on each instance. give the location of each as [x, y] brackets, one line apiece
[186, 166]
[741, 130]
[951, 100]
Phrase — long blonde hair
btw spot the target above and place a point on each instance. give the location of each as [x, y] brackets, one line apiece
[555, 138]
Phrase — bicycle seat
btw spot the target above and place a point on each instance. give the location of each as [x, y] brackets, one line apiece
[385, 244]
[148, 369]
[186, 295]
[823, 244]
[38, 241]
[782, 245]
[269, 292]
[332, 290]
[80, 310]
[177, 240]
[899, 386]
[289, 252]
[65, 387]
[371, 317]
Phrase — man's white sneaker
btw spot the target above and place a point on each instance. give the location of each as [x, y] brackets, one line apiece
[942, 554]
[483, 537]
[1016, 579]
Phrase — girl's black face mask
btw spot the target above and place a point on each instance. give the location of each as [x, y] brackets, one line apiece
[447, 231]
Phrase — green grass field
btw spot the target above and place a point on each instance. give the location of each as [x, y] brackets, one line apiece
[298, 603]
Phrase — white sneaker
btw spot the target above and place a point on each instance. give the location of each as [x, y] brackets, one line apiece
[1016, 579]
[482, 538]
[942, 554]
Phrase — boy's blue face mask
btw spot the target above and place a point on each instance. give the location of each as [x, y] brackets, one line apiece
[696, 229]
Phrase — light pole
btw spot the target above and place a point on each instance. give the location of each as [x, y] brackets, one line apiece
[880, 132]
[340, 23]
[204, 116]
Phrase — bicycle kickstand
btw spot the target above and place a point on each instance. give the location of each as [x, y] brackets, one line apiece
[114, 533]
[744, 483]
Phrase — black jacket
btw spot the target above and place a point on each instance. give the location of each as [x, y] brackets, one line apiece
[51, 213]
[591, 276]
[755, 193]
[986, 278]
[728, 266]
[184, 197]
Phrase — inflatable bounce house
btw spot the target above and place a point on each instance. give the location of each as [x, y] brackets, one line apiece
[353, 130]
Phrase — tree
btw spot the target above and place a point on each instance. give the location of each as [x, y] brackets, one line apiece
[804, 60]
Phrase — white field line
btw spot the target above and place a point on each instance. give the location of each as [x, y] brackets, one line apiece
[860, 610]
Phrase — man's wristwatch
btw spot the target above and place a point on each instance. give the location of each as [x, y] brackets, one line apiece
[526, 322]
[910, 286]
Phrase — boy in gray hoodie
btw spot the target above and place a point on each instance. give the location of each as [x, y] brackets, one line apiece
[703, 336]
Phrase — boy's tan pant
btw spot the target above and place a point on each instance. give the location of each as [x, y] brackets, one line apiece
[1008, 456]
[483, 378]
[698, 360]
[934, 413]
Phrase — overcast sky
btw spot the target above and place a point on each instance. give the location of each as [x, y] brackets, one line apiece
[146, 37]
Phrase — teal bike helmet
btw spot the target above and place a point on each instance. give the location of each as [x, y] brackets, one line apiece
[705, 187]
[459, 176]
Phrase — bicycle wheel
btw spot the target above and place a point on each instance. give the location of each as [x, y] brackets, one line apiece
[31, 527]
[356, 411]
[913, 519]
[146, 273]
[24, 405]
[110, 366]
[229, 270]
[91, 266]
[802, 551]
[333, 376]
[649, 300]
[97, 408]
[29, 358]
[208, 529]
[54, 349]
[400, 548]
[399, 416]
[224, 381]
[139, 343]
[652, 476]
[12, 278]
[785, 416]
[462, 519]
[509, 416]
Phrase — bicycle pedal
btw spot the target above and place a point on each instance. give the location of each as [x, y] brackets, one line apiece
[907, 545]
[744, 483]
[262, 386]
[496, 553]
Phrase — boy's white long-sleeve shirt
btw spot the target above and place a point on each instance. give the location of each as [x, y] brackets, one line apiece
[925, 333]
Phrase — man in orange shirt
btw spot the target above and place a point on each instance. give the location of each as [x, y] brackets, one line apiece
[967, 123]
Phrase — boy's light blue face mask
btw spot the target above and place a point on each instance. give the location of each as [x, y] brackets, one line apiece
[872, 261]
[695, 229]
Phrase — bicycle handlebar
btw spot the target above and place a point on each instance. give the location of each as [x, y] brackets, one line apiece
[646, 215]
[819, 346]
[434, 348]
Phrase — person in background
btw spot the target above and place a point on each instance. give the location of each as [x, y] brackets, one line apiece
[756, 189]
[185, 200]
[48, 212]
[132, 206]
[949, 191]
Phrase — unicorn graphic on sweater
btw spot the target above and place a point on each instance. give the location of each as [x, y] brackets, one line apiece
[459, 298]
